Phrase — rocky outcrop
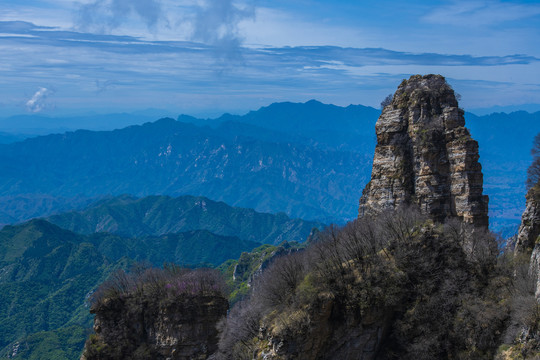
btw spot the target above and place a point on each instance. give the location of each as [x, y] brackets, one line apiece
[425, 156]
[529, 230]
[327, 337]
[528, 235]
[131, 327]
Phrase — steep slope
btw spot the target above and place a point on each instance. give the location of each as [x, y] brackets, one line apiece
[529, 229]
[396, 286]
[425, 156]
[169, 157]
[47, 274]
[168, 313]
[400, 282]
[158, 215]
[190, 248]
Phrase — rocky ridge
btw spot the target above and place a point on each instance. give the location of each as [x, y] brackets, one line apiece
[529, 229]
[528, 235]
[426, 156]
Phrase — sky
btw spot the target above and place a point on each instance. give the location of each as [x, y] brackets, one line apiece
[206, 57]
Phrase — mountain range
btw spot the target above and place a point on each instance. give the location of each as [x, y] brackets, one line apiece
[47, 273]
[159, 215]
[175, 158]
[306, 160]
[309, 160]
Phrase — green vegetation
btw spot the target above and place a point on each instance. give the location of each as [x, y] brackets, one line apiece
[239, 274]
[159, 215]
[415, 280]
[47, 275]
[60, 344]
[191, 248]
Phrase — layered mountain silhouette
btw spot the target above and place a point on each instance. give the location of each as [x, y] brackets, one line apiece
[159, 215]
[308, 160]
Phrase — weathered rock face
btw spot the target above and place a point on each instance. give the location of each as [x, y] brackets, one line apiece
[528, 233]
[134, 328]
[327, 337]
[426, 156]
[529, 230]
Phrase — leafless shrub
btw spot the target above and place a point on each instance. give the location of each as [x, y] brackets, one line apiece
[387, 101]
[238, 330]
[437, 282]
[278, 283]
[533, 173]
[169, 282]
[399, 226]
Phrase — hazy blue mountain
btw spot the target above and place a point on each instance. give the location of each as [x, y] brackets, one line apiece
[170, 157]
[8, 138]
[308, 160]
[34, 124]
[158, 215]
[19, 208]
[348, 128]
[505, 141]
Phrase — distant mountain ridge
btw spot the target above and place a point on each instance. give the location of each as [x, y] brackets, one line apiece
[159, 215]
[309, 160]
[504, 142]
[345, 128]
[169, 157]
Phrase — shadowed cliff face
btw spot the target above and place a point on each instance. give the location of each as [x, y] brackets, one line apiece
[180, 330]
[426, 156]
[161, 314]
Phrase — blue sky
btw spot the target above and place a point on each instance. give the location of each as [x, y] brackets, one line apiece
[204, 57]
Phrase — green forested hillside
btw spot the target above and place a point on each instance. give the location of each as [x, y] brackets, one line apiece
[190, 248]
[48, 273]
[158, 215]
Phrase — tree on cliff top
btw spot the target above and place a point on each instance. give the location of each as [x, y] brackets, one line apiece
[533, 173]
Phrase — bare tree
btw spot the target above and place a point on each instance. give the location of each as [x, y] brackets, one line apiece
[533, 173]
[387, 101]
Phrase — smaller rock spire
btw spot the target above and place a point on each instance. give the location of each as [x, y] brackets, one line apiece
[426, 156]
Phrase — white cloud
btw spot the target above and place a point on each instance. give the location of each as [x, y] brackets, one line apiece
[216, 23]
[273, 27]
[106, 15]
[481, 13]
[37, 102]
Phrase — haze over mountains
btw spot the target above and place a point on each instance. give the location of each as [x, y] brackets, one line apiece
[309, 160]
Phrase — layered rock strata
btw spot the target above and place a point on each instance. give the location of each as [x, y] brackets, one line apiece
[131, 328]
[425, 156]
[529, 235]
[529, 230]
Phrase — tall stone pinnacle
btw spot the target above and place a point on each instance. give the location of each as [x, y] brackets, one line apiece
[426, 156]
